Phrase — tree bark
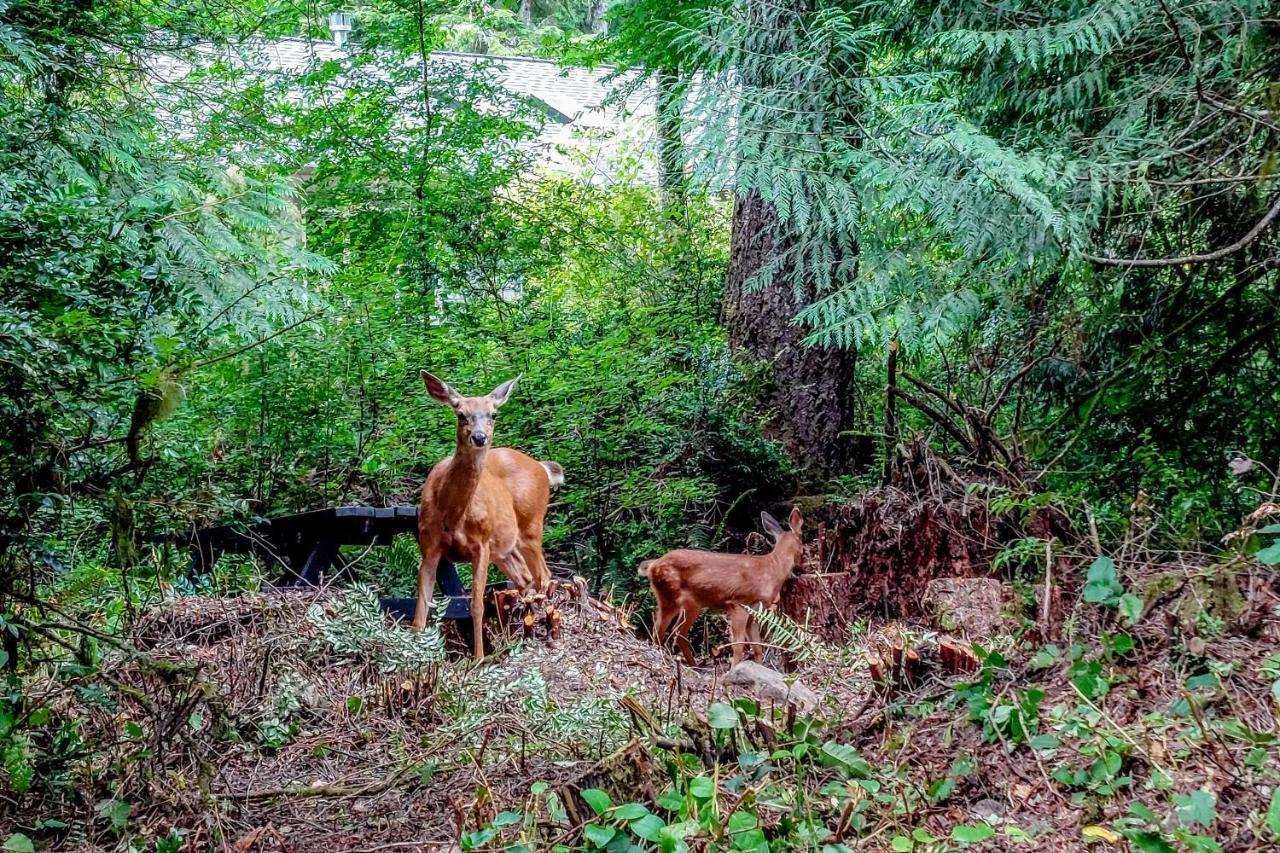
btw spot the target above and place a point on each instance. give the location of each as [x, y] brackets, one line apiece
[596, 21]
[811, 402]
[671, 177]
[526, 13]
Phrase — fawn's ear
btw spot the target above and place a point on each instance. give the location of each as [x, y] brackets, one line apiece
[502, 393]
[440, 391]
[771, 525]
[796, 521]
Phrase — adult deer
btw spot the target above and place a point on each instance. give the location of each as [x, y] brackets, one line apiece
[686, 582]
[482, 504]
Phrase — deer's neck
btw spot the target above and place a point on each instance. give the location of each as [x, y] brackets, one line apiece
[463, 479]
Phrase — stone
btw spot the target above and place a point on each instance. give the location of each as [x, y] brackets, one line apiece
[973, 607]
[769, 685]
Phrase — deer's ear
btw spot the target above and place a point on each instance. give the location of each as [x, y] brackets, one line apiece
[771, 525]
[796, 521]
[502, 393]
[440, 391]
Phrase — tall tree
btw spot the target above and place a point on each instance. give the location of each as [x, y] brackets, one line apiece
[811, 401]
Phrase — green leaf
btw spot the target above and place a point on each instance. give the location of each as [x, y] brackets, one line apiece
[1273, 814]
[598, 835]
[19, 843]
[722, 716]
[1149, 842]
[1131, 608]
[1044, 742]
[507, 818]
[1196, 808]
[702, 787]
[1269, 555]
[1101, 585]
[630, 811]
[902, 844]
[648, 827]
[597, 799]
[971, 833]
[741, 821]
[354, 704]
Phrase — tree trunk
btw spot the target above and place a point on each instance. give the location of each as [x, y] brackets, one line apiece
[671, 178]
[812, 398]
[526, 13]
[596, 22]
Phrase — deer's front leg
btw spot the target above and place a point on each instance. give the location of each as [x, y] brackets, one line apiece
[479, 579]
[426, 583]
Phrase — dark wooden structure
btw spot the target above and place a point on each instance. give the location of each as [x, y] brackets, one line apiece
[307, 546]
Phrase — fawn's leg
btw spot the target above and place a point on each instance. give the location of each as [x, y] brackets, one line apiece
[738, 619]
[426, 583]
[662, 621]
[753, 634]
[684, 623]
[479, 578]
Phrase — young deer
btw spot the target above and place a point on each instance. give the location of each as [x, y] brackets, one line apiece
[687, 582]
[482, 505]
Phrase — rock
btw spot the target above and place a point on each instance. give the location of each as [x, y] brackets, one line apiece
[989, 810]
[973, 607]
[769, 685]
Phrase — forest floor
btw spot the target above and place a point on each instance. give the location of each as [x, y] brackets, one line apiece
[292, 721]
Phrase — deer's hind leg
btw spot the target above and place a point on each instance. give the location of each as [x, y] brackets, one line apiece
[688, 614]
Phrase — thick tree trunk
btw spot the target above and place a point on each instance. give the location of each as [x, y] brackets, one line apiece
[812, 398]
[526, 12]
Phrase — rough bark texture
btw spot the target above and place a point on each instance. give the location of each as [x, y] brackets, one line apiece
[812, 398]
[877, 555]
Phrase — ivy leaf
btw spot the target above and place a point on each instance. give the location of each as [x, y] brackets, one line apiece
[722, 716]
[599, 835]
[648, 827]
[630, 811]
[971, 833]
[1273, 814]
[19, 843]
[702, 787]
[1196, 807]
[1131, 608]
[1269, 555]
[1101, 585]
[597, 799]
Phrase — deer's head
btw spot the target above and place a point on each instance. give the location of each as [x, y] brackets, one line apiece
[476, 415]
[786, 541]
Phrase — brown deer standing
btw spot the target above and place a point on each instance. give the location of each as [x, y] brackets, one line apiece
[482, 504]
[686, 582]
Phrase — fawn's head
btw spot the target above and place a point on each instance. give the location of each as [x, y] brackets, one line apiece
[786, 541]
[476, 415]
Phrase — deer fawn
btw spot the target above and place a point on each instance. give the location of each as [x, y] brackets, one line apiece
[686, 582]
[482, 504]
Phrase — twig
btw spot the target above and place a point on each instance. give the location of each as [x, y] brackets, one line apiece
[1217, 254]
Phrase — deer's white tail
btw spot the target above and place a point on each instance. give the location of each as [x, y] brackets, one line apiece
[555, 472]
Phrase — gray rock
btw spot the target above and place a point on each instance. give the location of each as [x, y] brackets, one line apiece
[769, 685]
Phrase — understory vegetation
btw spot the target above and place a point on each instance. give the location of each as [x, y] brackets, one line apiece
[987, 290]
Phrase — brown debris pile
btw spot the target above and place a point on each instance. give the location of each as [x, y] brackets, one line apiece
[242, 724]
[875, 556]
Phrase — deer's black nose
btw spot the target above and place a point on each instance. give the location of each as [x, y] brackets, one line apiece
[479, 438]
